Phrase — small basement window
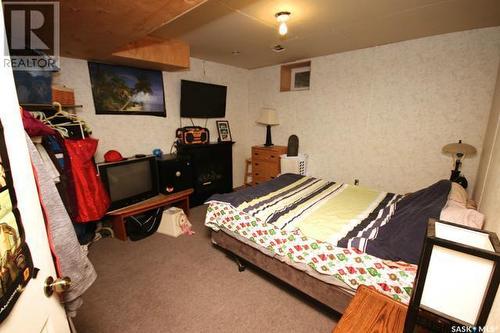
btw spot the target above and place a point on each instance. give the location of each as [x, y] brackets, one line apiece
[300, 78]
[295, 76]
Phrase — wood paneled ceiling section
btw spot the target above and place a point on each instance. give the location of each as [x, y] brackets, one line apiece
[318, 27]
[95, 29]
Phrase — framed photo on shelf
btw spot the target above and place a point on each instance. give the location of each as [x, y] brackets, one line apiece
[224, 131]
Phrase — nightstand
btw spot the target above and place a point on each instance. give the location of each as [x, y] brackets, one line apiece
[266, 163]
[371, 311]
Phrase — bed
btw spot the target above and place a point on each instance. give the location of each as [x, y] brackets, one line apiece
[326, 238]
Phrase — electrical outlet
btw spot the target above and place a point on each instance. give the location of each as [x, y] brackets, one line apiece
[356, 181]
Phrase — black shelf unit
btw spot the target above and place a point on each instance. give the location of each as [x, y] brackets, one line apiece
[41, 107]
[212, 165]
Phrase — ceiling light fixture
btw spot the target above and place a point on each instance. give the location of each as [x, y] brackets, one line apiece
[278, 48]
[282, 17]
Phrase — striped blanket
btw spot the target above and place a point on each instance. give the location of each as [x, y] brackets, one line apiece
[323, 210]
[385, 225]
[276, 215]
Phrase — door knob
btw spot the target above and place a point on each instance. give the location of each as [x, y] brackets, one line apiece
[58, 286]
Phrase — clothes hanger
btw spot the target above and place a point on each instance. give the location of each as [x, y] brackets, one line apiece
[74, 119]
[71, 120]
[44, 119]
[61, 113]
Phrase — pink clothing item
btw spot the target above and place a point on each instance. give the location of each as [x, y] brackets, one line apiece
[454, 212]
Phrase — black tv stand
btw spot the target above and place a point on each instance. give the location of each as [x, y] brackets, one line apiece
[212, 165]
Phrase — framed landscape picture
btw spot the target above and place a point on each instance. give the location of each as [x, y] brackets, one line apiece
[127, 90]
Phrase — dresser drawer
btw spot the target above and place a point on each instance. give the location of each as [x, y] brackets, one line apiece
[265, 169]
[266, 163]
[266, 154]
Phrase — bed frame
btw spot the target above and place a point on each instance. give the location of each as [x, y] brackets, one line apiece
[330, 295]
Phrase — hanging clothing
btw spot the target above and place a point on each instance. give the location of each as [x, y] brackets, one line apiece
[49, 165]
[91, 198]
[54, 145]
[70, 258]
[35, 127]
[66, 124]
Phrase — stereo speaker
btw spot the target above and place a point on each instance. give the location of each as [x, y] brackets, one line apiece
[175, 174]
[192, 135]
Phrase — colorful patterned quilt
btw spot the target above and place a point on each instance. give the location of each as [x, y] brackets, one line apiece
[334, 229]
[350, 266]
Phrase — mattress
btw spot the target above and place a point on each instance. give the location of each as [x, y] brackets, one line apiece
[325, 278]
[287, 219]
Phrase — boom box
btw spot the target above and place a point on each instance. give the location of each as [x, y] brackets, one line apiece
[192, 135]
[175, 174]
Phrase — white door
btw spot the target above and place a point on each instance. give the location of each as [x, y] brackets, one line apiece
[33, 311]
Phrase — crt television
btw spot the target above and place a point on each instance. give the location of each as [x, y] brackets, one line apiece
[130, 181]
[202, 100]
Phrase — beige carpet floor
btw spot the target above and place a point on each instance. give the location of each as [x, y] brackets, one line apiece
[185, 284]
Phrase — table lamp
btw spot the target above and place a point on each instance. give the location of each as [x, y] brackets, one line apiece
[457, 279]
[458, 152]
[268, 117]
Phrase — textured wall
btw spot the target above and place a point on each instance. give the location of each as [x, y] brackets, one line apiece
[382, 114]
[140, 134]
[487, 189]
[379, 114]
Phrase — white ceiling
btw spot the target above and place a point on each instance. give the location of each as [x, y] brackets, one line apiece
[317, 27]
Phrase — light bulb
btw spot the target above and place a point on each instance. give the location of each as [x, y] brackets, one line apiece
[283, 29]
[282, 17]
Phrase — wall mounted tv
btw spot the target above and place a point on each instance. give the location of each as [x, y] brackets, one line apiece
[130, 181]
[202, 100]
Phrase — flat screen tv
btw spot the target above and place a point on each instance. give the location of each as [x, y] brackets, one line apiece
[202, 100]
[130, 181]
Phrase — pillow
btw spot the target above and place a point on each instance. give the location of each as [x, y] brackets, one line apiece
[456, 213]
[458, 194]
[471, 204]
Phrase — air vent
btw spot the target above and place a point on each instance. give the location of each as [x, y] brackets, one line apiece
[278, 48]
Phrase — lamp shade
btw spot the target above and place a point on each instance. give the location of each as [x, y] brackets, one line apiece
[457, 277]
[268, 116]
[459, 148]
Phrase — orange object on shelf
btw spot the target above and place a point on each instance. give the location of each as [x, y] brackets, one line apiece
[63, 95]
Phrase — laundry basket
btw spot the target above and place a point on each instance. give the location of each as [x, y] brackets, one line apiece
[294, 164]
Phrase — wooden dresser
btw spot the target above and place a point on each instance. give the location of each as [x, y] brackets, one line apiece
[266, 163]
